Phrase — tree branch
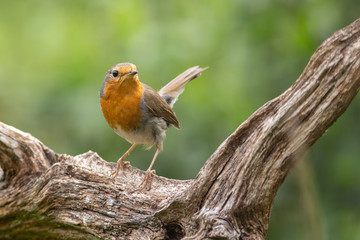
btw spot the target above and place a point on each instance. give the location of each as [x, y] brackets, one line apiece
[57, 195]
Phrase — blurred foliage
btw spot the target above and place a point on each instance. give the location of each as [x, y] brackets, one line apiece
[54, 55]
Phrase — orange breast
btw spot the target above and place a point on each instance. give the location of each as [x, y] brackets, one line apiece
[121, 104]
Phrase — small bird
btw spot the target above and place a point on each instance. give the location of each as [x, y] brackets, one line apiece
[138, 113]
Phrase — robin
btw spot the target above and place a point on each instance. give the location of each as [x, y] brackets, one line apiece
[138, 113]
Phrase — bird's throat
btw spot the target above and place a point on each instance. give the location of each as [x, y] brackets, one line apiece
[121, 105]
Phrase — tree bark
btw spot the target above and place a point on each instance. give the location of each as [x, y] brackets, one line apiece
[50, 195]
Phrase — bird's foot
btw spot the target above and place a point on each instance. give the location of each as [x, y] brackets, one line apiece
[146, 182]
[120, 167]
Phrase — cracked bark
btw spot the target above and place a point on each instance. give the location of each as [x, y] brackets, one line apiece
[50, 195]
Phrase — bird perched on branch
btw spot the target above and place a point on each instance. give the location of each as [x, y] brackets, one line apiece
[138, 113]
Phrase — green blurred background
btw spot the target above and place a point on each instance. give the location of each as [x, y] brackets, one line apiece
[54, 55]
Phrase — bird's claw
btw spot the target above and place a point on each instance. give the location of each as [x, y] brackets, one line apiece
[145, 183]
[120, 167]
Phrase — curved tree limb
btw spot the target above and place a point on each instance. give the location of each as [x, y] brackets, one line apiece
[44, 194]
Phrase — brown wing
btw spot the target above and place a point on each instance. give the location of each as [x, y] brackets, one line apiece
[158, 107]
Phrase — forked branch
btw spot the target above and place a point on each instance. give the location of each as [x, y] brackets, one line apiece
[45, 194]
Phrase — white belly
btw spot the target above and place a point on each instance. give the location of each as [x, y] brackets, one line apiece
[139, 137]
[152, 133]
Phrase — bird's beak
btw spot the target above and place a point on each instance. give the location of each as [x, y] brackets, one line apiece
[133, 72]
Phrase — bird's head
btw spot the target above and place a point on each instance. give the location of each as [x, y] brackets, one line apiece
[119, 74]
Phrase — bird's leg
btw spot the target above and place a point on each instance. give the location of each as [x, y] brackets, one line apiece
[149, 172]
[121, 163]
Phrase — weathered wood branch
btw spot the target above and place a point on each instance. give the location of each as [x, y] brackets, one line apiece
[44, 194]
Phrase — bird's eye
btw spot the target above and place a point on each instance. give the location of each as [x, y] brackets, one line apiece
[115, 73]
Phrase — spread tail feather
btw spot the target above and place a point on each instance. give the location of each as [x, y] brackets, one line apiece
[171, 91]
